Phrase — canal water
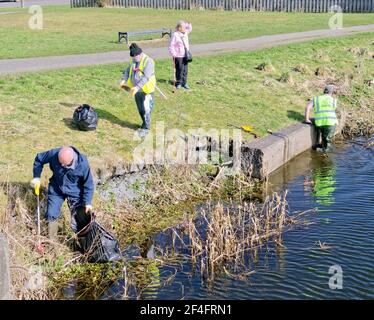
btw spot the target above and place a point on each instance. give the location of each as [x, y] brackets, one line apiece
[341, 187]
[332, 258]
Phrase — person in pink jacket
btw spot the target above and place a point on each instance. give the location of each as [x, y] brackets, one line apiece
[178, 43]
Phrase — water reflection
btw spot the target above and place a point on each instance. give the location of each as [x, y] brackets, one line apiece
[280, 258]
[324, 183]
[318, 173]
[297, 269]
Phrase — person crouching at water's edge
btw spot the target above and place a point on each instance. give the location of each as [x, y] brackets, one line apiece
[325, 119]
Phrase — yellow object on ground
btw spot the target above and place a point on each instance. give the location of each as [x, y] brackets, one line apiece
[247, 128]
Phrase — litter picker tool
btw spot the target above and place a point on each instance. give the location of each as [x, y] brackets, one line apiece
[157, 88]
[161, 93]
[40, 247]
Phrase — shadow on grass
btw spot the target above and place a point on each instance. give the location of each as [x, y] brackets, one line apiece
[123, 42]
[103, 114]
[69, 105]
[164, 81]
[294, 115]
[69, 123]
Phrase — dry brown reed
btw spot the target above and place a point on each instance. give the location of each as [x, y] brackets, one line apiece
[220, 238]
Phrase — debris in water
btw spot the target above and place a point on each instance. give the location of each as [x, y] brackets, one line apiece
[323, 245]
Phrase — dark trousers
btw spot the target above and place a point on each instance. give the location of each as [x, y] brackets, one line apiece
[145, 104]
[181, 71]
[326, 133]
[54, 204]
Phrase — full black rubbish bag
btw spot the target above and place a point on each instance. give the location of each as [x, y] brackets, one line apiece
[85, 118]
[93, 241]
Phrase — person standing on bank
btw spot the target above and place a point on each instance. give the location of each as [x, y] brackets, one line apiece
[71, 179]
[325, 119]
[179, 44]
[140, 80]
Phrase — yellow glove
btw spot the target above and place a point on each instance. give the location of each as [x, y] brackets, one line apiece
[134, 91]
[35, 184]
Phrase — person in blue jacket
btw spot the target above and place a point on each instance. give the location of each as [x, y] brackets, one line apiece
[71, 180]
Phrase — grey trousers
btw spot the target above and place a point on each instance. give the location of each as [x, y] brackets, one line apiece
[145, 104]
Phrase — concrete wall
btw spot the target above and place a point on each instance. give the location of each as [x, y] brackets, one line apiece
[4, 270]
[267, 154]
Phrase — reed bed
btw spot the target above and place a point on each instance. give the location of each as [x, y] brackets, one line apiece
[223, 238]
[29, 269]
[170, 194]
[359, 123]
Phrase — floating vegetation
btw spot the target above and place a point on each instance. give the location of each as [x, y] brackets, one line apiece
[323, 245]
[122, 279]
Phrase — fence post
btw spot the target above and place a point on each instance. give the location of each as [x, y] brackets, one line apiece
[4, 270]
[257, 5]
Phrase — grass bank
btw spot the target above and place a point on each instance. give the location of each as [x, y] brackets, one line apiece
[36, 111]
[89, 30]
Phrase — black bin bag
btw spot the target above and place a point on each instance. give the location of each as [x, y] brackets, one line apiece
[85, 118]
[97, 244]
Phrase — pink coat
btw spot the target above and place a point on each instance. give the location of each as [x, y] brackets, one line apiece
[176, 47]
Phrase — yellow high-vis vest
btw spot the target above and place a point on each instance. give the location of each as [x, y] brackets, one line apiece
[150, 86]
[324, 111]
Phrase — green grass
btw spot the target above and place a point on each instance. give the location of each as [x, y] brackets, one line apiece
[33, 106]
[88, 30]
[231, 90]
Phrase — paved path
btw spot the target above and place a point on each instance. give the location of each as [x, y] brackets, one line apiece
[13, 66]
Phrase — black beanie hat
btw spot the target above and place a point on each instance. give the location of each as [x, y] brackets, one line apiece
[135, 50]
